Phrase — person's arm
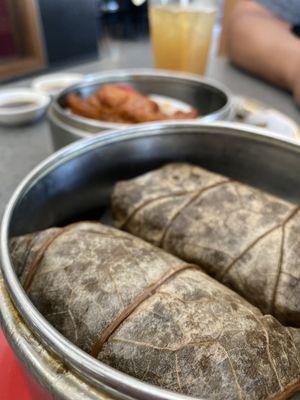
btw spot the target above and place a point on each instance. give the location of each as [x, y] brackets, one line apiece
[264, 45]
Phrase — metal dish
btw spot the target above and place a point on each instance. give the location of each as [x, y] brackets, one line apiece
[75, 184]
[210, 98]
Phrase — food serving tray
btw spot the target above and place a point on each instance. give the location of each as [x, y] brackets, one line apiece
[210, 98]
[76, 183]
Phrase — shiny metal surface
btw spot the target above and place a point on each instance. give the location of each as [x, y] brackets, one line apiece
[212, 99]
[62, 133]
[75, 183]
[47, 369]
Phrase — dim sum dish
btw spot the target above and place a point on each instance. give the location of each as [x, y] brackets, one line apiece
[196, 287]
[241, 236]
[122, 104]
[119, 98]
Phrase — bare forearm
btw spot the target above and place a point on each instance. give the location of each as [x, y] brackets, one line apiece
[264, 45]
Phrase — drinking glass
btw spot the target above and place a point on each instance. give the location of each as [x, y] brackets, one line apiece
[181, 32]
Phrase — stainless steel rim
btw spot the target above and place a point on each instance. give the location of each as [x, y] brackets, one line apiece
[39, 361]
[151, 73]
[80, 133]
[93, 370]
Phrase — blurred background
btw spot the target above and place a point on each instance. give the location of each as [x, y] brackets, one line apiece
[39, 35]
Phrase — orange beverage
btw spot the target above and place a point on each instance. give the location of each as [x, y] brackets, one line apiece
[181, 35]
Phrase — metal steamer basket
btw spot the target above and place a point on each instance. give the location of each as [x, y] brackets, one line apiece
[210, 98]
[75, 184]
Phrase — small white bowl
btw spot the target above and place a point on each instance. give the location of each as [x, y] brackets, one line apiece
[53, 84]
[21, 106]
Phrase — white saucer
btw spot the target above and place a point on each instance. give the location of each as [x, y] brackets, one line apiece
[253, 112]
[52, 84]
[21, 106]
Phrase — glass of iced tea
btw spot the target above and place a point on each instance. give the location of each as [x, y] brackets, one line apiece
[181, 32]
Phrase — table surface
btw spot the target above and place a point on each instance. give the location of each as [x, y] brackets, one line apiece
[24, 147]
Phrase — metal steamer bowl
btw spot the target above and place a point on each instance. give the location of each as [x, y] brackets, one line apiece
[75, 184]
[210, 98]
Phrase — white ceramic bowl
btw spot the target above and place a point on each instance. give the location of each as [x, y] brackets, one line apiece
[53, 84]
[21, 106]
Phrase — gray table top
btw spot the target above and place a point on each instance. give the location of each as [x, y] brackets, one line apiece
[24, 147]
